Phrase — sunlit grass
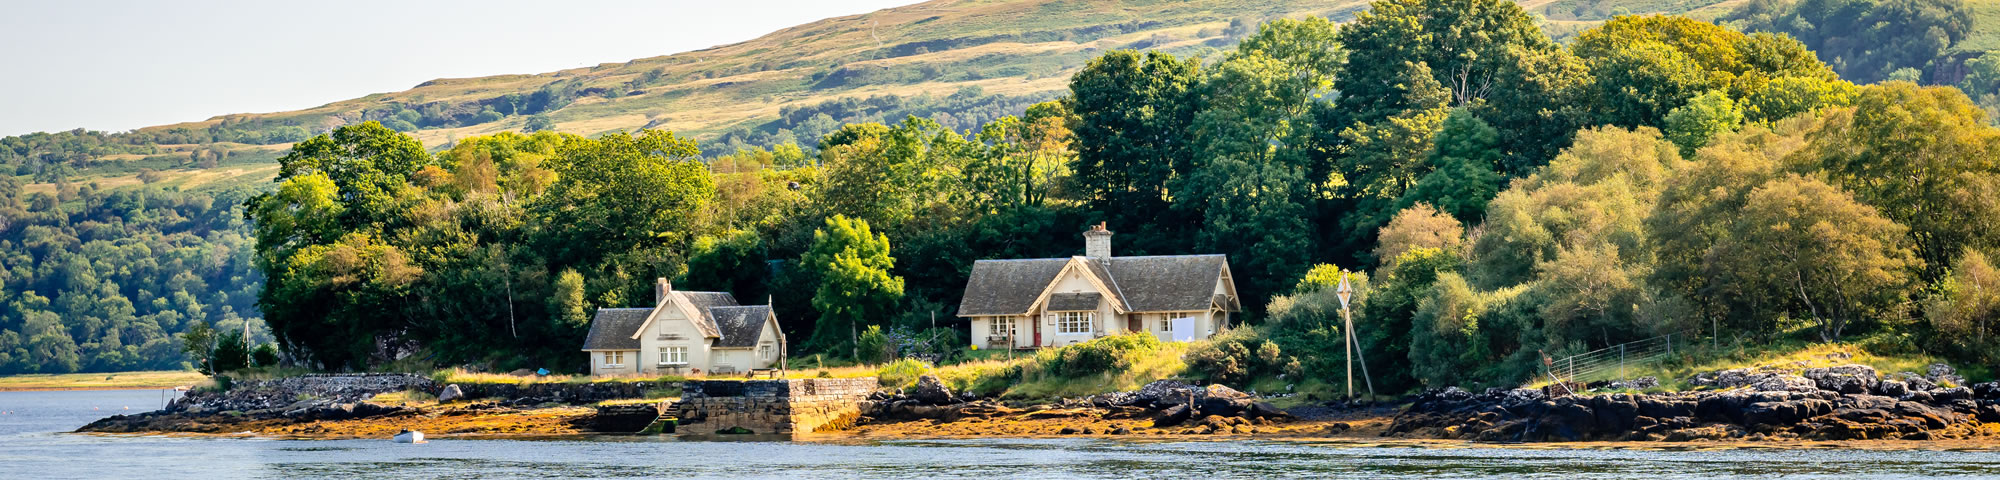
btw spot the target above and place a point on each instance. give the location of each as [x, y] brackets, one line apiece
[102, 381]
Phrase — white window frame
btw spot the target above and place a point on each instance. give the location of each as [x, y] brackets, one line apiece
[765, 352]
[614, 359]
[1006, 326]
[1075, 323]
[673, 355]
[1166, 323]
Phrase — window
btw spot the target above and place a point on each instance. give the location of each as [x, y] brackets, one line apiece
[1166, 323]
[1074, 322]
[1005, 327]
[614, 359]
[673, 355]
[766, 352]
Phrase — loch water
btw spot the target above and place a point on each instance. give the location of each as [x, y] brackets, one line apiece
[34, 445]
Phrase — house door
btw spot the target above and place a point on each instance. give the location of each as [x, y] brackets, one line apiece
[1038, 330]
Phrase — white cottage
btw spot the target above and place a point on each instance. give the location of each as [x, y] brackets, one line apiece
[685, 333]
[1049, 302]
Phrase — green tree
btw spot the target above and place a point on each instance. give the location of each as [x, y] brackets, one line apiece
[1840, 259]
[1692, 126]
[1463, 161]
[621, 193]
[1923, 156]
[1133, 113]
[856, 286]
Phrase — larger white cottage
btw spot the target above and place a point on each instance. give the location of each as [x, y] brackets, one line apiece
[685, 333]
[1049, 302]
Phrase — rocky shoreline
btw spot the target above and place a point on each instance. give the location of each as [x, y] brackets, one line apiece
[1843, 403]
[1849, 402]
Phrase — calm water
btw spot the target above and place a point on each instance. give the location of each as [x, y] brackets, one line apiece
[31, 446]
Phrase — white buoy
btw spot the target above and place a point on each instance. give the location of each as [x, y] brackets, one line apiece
[409, 436]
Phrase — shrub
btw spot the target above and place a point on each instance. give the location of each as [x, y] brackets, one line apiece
[873, 346]
[266, 355]
[901, 373]
[1096, 356]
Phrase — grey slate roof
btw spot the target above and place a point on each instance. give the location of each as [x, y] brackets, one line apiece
[1073, 302]
[1007, 287]
[1167, 283]
[1141, 284]
[612, 328]
[702, 302]
[740, 326]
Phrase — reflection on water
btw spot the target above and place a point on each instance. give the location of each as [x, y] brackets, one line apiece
[30, 448]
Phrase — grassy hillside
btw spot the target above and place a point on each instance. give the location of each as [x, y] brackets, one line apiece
[972, 60]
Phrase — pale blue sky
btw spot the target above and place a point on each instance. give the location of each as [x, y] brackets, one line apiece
[119, 65]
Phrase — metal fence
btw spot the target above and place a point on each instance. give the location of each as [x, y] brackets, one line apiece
[1616, 361]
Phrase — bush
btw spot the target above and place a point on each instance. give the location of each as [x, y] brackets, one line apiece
[1095, 357]
[873, 346]
[901, 373]
[231, 354]
[266, 355]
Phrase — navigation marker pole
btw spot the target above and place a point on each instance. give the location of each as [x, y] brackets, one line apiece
[1344, 291]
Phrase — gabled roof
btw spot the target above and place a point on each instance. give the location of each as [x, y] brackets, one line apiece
[1138, 284]
[612, 328]
[741, 327]
[1007, 287]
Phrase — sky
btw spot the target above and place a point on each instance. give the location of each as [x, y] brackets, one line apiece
[119, 65]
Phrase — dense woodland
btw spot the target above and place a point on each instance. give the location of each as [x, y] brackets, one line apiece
[1499, 195]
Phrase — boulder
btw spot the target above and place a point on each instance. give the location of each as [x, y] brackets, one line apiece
[1781, 382]
[1785, 413]
[1848, 379]
[1162, 393]
[1917, 383]
[1173, 416]
[1892, 388]
[932, 391]
[1943, 374]
[1950, 394]
[1987, 391]
[450, 393]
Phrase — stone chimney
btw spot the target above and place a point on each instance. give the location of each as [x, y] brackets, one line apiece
[661, 287]
[1097, 242]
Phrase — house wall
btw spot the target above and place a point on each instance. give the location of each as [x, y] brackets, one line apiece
[599, 367]
[1073, 281]
[674, 323]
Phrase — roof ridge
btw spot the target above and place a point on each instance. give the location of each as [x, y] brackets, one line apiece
[1113, 278]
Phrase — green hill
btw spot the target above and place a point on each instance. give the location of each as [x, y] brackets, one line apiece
[963, 61]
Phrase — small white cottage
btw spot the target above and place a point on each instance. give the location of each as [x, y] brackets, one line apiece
[1050, 302]
[685, 333]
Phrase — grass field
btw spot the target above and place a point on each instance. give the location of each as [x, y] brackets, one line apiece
[101, 381]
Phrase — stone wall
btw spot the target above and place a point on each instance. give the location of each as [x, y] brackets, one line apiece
[773, 406]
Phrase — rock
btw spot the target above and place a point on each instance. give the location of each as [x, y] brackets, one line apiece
[1163, 392]
[1849, 379]
[450, 393]
[1918, 396]
[1121, 431]
[1916, 383]
[932, 391]
[1643, 383]
[1986, 391]
[1067, 431]
[1892, 388]
[1173, 416]
[1785, 412]
[1943, 374]
[1950, 394]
